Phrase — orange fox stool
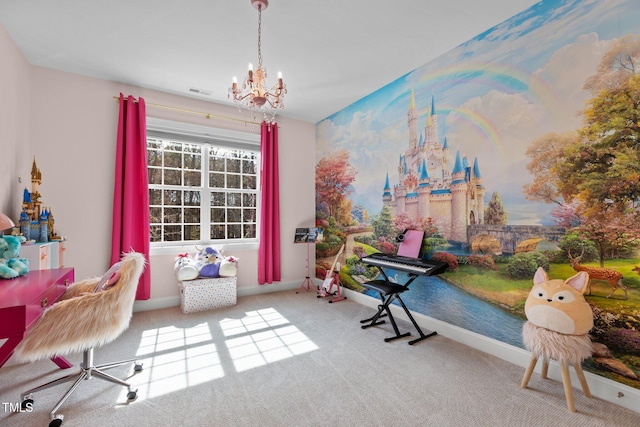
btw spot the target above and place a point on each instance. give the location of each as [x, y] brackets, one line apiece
[566, 349]
[558, 328]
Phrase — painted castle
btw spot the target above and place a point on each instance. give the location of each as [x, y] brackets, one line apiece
[429, 185]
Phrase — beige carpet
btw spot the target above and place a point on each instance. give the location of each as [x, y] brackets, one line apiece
[287, 359]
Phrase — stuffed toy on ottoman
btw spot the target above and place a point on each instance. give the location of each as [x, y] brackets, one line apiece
[558, 328]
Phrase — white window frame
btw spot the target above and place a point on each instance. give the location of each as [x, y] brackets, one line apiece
[191, 133]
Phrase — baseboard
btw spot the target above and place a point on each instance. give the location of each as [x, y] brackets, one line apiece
[600, 387]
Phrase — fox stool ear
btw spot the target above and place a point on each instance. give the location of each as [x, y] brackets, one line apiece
[579, 282]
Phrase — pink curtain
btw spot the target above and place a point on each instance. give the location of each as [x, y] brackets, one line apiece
[130, 231]
[269, 249]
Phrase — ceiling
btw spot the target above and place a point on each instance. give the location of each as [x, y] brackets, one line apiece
[331, 52]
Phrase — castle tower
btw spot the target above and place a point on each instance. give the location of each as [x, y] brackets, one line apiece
[44, 227]
[386, 195]
[424, 192]
[412, 119]
[458, 201]
[479, 191]
[431, 130]
[25, 225]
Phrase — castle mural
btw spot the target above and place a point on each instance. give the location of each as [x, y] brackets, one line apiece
[431, 186]
[518, 146]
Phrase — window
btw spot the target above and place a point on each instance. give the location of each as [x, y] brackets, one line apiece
[203, 184]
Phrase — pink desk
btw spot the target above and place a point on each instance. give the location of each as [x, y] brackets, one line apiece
[22, 301]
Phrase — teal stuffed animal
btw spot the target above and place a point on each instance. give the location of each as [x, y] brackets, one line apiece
[10, 265]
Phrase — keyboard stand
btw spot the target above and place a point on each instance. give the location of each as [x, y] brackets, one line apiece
[388, 292]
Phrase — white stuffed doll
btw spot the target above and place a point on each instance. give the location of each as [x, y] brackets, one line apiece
[185, 267]
[228, 267]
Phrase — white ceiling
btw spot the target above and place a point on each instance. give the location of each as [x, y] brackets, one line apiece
[331, 52]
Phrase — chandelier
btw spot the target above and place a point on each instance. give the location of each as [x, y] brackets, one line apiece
[253, 95]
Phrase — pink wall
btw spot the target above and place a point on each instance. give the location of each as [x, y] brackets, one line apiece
[69, 125]
[15, 141]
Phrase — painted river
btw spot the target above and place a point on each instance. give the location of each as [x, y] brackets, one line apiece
[436, 298]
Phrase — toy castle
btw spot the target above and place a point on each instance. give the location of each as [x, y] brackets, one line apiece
[428, 188]
[36, 221]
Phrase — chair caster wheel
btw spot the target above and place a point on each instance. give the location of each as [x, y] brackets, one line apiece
[132, 395]
[27, 404]
[57, 421]
[137, 367]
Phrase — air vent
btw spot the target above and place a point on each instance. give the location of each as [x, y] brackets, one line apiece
[200, 91]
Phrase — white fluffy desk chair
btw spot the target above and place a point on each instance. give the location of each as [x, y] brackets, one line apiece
[92, 312]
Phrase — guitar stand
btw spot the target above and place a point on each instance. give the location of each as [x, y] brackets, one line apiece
[388, 292]
[324, 292]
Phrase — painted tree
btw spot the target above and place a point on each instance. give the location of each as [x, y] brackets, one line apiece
[383, 224]
[544, 153]
[494, 213]
[621, 61]
[334, 176]
[600, 172]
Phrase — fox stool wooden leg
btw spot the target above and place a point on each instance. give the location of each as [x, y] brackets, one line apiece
[566, 382]
[529, 371]
[583, 380]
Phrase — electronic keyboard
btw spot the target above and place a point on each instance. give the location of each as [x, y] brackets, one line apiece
[419, 266]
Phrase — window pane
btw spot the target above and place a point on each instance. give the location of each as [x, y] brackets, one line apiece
[172, 160]
[155, 175]
[249, 215]
[249, 182]
[234, 199]
[234, 231]
[155, 197]
[249, 166]
[172, 233]
[216, 164]
[218, 215]
[192, 232]
[155, 214]
[218, 199]
[249, 231]
[172, 197]
[192, 161]
[172, 177]
[192, 198]
[154, 144]
[154, 158]
[172, 215]
[234, 165]
[233, 181]
[235, 215]
[249, 200]
[216, 180]
[192, 215]
[217, 231]
[156, 233]
[192, 178]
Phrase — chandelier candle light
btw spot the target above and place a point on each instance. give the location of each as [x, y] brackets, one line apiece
[252, 95]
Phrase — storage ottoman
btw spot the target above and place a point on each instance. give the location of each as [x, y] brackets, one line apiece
[207, 294]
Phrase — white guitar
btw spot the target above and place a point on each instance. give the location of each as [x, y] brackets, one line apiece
[328, 280]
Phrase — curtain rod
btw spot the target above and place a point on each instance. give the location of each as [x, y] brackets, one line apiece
[199, 113]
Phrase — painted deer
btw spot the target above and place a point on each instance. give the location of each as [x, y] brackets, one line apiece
[636, 269]
[608, 274]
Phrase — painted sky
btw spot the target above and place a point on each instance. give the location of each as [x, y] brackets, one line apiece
[494, 95]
